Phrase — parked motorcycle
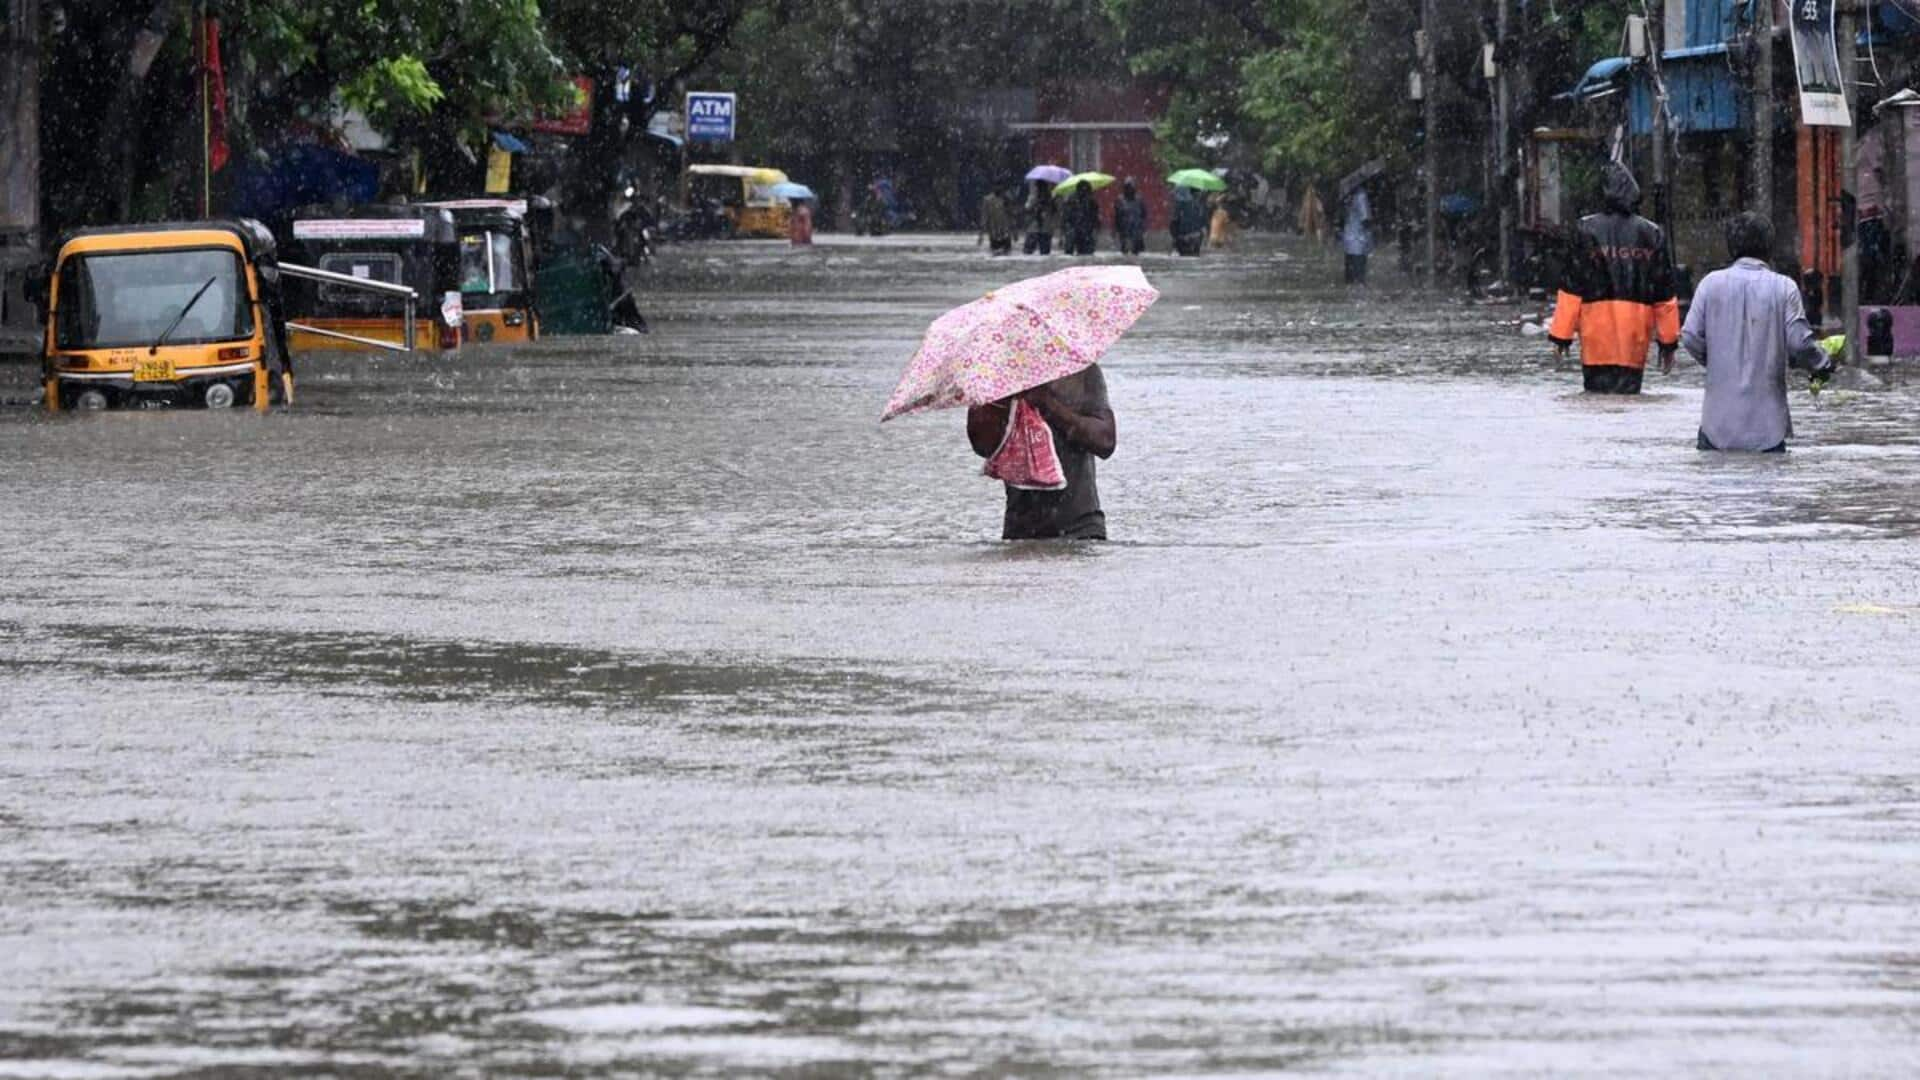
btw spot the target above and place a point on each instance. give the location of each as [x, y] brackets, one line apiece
[705, 219]
[634, 228]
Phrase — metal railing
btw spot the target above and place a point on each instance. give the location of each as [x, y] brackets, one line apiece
[312, 273]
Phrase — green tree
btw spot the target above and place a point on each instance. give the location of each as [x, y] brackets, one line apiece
[1296, 88]
[843, 90]
[431, 72]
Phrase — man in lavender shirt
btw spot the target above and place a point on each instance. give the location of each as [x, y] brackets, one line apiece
[1747, 326]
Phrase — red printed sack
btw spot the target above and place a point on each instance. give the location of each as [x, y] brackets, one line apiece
[1027, 459]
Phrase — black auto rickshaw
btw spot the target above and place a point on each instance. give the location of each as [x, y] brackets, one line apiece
[414, 246]
[496, 269]
[184, 313]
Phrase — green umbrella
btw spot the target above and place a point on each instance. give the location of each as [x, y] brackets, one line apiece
[1197, 178]
[1094, 180]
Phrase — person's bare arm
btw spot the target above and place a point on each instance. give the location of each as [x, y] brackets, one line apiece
[987, 426]
[1803, 348]
[1091, 431]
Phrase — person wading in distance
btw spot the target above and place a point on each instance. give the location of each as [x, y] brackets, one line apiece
[1619, 294]
[1747, 326]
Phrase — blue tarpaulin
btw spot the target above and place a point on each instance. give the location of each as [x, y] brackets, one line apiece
[508, 143]
[1702, 93]
[298, 174]
[1603, 78]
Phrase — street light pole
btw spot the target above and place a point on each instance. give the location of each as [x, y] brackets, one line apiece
[1429, 144]
[1656, 44]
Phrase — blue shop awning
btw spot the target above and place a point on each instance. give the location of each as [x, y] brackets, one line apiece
[659, 129]
[1694, 53]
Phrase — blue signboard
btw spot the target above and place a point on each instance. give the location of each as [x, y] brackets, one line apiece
[709, 117]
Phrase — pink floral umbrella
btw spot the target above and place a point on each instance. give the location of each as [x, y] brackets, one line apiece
[1021, 336]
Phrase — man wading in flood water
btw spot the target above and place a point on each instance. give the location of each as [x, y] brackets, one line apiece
[1075, 408]
[1619, 294]
[1748, 325]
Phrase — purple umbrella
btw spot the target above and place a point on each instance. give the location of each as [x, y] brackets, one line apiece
[1052, 174]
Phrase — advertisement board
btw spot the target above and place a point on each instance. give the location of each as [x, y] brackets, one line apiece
[359, 229]
[1816, 63]
[575, 121]
[710, 117]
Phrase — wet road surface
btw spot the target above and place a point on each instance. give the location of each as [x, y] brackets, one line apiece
[641, 704]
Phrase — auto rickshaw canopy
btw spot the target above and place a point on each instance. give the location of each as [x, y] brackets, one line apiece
[757, 174]
[756, 182]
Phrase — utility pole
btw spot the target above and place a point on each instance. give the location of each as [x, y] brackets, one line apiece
[1429, 143]
[1656, 46]
[1503, 138]
[1763, 109]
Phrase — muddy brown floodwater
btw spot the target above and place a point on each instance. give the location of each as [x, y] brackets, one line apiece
[641, 704]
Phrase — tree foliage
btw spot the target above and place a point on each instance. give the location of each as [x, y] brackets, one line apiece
[436, 70]
[844, 90]
[1297, 88]
[668, 40]
[399, 61]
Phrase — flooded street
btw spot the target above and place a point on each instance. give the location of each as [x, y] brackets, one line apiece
[642, 704]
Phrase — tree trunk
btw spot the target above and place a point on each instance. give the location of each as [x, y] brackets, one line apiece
[114, 153]
[19, 172]
[20, 119]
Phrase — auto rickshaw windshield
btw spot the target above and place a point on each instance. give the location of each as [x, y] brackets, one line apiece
[487, 264]
[117, 300]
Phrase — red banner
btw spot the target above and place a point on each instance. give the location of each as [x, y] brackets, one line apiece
[215, 89]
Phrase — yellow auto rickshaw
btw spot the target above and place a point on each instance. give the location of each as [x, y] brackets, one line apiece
[413, 246]
[745, 192]
[496, 273]
[182, 314]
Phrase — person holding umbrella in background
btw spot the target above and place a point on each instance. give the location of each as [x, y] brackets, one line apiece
[1356, 234]
[1356, 219]
[1188, 222]
[1043, 211]
[1190, 214]
[1043, 218]
[800, 219]
[1082, 214]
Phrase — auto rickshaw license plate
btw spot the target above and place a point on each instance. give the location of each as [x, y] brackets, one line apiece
[153, 369]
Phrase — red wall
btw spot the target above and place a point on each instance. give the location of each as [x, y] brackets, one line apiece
[1123, 154]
